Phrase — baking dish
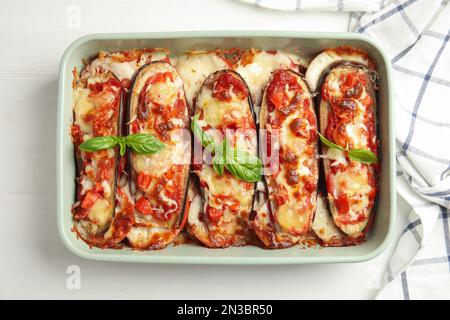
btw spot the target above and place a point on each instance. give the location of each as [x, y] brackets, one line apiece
[309, 44]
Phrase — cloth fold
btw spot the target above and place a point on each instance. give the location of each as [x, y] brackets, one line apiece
[415, 35]
[322, 5]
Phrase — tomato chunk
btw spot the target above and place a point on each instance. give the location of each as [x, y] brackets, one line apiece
[143, 181]
[279, 99]
[89, 199]
[161, 77]
[281, 195]
[277, 92]
[342, 204]
[227, 82]
[98, 87]
[143, 206]
[214, 214]
[77, 134]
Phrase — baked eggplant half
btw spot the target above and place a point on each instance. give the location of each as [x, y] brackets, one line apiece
[219, 213]
[348, 120]
[289, 134]
[102, 211]
[159, 181]
[256, 67]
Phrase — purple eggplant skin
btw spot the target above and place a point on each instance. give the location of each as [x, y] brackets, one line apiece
[143, 114]
[318, 102]
[274, 237]
[324, 109]
[208, 82]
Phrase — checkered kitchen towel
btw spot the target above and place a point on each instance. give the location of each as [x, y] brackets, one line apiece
[415, 35]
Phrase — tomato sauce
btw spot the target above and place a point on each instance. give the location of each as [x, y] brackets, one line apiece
[152, 114]
[343, 111]
[227, 83]
[283, 98]
[104, 122]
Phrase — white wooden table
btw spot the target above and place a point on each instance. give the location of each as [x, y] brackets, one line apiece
[34, 261]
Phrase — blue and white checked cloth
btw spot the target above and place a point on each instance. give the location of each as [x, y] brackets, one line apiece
[415, 35]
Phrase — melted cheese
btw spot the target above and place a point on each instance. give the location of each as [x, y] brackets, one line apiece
[226, 185]
[122, 70]
[106, 188]
[355, 130]
[354, 183]
[351, 181]
[323, 224]
[194, 68]
[86, 184]
[141, 237]
[294, 215]
[100, 213]
[216, 112]
[125, 69]
[164, 93]
[177, 152]
[326, 59]
[82, 105]
[258, 72]
[338, 156]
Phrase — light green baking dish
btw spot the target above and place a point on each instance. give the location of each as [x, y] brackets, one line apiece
[309, 44]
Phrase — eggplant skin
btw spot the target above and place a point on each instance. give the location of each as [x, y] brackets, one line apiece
[292, 174]
[97, 111]
[353, 218]
[321, 65]
[159, 182]
[222, 219]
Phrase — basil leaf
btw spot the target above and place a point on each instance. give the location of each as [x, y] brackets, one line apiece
[99, 143]
[241, 164]
[202, 136]
[144, 143]
[219, 158]
[243, 172]
[123, 145]
[328, 143]
[219, 164]
[362, 155]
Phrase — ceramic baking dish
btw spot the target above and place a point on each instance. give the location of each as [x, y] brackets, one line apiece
[309, 44]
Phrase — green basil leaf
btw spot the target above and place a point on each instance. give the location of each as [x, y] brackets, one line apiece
[202, 136]
[328, 143]
[99, 143]
[241, 164]
[244, 173]
[144, 143]
[219, 158]
[219, 164]
[362, 155]
[123, 145]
